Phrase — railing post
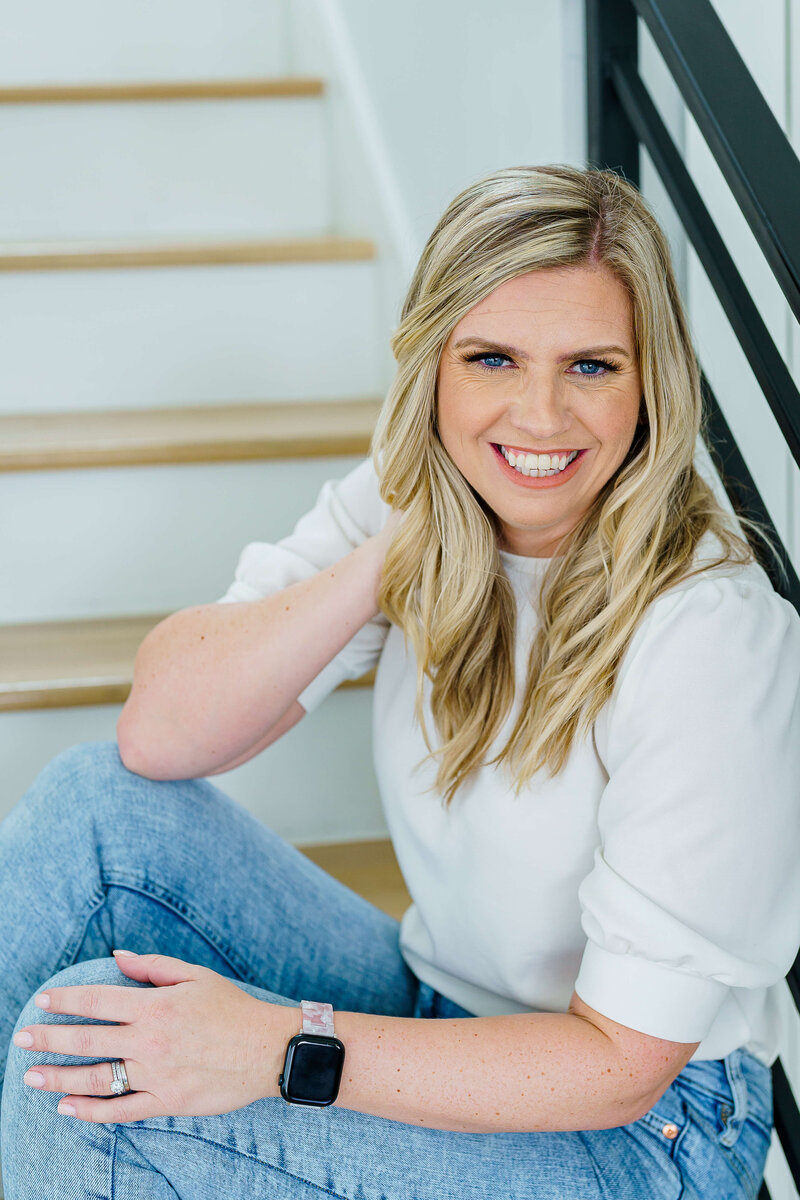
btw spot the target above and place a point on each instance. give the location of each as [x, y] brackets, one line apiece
[611, 32]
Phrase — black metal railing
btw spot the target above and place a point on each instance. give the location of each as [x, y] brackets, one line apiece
[763, 174]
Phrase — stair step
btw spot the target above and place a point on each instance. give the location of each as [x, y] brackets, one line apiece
[369, 868]
[189, 89]
[92, 41]
[190, 335]
[60, 664]
[197, 433]
[82, 256]
[160, 170]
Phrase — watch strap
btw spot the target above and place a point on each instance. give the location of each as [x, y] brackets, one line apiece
[317, 1017]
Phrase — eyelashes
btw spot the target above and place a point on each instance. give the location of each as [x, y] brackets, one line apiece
[609, 365]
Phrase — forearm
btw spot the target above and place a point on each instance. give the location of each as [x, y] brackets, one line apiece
[530, 1072]
[211, 681]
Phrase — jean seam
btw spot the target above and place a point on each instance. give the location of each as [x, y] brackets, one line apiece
[196, 1137]
[732, 1123]
[113, 1131]
[188, 914]
[598, 1175]
[743, 1169]
[68, 954]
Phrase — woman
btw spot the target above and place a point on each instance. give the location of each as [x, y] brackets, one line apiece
[581, 1002]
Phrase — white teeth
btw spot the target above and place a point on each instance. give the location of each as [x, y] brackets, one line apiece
[536, 466]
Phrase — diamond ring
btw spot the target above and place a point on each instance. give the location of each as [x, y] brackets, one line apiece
[119, 1084]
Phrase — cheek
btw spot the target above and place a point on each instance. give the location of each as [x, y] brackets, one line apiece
[616, 425]
[456, 415]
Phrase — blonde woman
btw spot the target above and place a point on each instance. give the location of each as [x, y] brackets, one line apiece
[587, 739]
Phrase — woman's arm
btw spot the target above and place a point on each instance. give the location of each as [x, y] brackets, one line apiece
[526, 1072]
[197, 1044]
[211, 683]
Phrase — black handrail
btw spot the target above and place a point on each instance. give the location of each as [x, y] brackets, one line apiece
[622, 117]
[750, 148]
[763, 355]
[763, 174]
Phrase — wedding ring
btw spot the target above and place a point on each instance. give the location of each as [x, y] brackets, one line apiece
[119, 1084]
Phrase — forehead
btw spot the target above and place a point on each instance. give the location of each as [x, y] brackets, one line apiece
[587, 303]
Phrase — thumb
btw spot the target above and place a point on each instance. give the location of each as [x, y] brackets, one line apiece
[155, 968]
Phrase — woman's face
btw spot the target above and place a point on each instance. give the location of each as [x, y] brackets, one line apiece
[545, 364]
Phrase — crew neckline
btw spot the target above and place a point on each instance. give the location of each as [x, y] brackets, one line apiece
[526, 563]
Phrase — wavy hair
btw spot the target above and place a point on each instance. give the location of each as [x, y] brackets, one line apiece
[443, 581]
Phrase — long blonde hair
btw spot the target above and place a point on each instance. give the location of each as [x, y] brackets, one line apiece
[443, 581]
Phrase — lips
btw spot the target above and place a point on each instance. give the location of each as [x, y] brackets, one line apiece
[541, 481]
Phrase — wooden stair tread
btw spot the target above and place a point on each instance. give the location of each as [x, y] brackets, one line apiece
[61, 664]
[189, 89]
[369, 868]
[208, 433]
[88, 255]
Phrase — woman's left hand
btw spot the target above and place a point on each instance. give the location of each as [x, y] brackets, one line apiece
[193, 1045]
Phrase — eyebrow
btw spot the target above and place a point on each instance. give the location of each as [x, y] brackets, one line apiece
[515, 352]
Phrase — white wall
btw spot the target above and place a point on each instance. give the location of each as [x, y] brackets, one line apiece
[460, 92]
[454, 92]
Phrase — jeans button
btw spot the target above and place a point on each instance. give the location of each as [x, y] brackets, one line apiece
[669, 1130]
[724, 1113]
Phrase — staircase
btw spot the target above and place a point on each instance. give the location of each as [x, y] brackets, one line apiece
[194, 340]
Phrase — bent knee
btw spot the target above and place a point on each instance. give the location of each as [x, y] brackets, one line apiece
[77, 773]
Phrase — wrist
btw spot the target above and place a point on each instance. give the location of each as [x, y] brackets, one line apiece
[312, 1071]
[374, 551]
[278, 1026]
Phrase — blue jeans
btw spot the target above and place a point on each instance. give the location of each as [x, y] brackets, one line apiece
[94, 857]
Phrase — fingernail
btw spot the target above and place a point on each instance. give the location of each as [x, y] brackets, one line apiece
[23, 1039]
[124, 954]
[66, 1109]
[43, 1001]
[34, 1078]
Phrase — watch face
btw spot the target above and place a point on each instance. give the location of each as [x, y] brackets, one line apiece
[313, 1069]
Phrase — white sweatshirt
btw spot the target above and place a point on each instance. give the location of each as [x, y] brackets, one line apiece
[658, 875]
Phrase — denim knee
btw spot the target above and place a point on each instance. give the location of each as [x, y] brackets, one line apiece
[29, 1114]
[74, 776]
[94, 970]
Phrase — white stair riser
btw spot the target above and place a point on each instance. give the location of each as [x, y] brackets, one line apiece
[113, 40]
[316, 783]
[242, 167]
[148, 337]
[142, 539]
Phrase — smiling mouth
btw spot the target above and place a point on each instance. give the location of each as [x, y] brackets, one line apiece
[533, 465]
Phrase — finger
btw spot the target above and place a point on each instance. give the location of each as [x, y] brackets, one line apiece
[156, 968]
[138, 1106]
[94, 1080]
[88, 1041]
[100, 1001]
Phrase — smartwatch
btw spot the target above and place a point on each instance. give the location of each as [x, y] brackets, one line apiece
[312, 1069]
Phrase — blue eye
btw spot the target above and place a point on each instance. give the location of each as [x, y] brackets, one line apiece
[483, 360]
[608, 367]
[488, 361]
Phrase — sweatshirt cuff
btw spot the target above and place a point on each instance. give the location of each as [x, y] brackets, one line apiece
[321, 686]
[647, 996]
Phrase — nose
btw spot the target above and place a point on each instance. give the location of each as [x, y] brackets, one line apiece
[539, 412]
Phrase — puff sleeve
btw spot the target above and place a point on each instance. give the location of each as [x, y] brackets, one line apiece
[695, 886]
[346, 513]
